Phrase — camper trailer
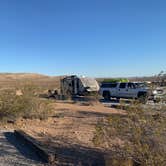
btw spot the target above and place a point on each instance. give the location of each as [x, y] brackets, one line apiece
[74, 85]
[71, 86]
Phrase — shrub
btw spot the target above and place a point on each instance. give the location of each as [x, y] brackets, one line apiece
[142, 131]
[13, 106]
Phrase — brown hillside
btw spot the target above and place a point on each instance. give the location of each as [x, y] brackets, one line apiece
[12, 80]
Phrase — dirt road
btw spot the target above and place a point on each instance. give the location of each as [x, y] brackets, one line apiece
[12, 152]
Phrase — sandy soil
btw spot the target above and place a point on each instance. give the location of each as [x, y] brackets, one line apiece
[72, 123]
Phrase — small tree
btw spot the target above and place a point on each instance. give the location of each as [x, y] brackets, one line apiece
[161, 77]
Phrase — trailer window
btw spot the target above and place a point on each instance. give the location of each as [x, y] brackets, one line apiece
[122, 85]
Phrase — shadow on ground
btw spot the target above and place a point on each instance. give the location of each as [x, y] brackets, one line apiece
[68, 153]
[21, 148]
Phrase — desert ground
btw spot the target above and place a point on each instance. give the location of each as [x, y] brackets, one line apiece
[76, 129]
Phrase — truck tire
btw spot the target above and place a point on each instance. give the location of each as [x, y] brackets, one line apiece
[142, 97]
[106, 95]
[118, 98]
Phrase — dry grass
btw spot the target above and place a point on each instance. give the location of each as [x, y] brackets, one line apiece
[26, 105]
[140, 135]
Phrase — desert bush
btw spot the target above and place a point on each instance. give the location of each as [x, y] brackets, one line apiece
[13, 106]
[142, 134]
[30, 89]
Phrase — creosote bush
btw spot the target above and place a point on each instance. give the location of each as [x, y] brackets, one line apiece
[142, 134]
[26, 106]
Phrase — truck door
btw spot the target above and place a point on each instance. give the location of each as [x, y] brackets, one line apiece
[131, 88]
[123, 90]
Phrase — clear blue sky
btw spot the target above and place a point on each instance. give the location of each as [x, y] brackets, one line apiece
[87, 37]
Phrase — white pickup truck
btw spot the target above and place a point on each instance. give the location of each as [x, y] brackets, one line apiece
[128, 90]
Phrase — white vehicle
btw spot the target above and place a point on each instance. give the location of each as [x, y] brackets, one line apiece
[128, 90]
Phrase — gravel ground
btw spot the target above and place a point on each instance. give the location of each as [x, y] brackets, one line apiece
[149, 104]
[13, 153]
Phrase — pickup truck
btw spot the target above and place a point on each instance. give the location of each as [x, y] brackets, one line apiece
[127, 90]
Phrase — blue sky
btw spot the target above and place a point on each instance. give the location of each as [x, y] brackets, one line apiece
[99, 38]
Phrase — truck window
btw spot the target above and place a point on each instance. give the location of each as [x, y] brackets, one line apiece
[131, 85]
[113, 85]
[122, 85]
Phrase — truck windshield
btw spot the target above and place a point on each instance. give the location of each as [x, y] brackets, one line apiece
[140, 85]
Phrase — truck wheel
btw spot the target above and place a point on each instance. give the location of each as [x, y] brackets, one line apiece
[106, 95]
[118, 98]
[142, 97]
